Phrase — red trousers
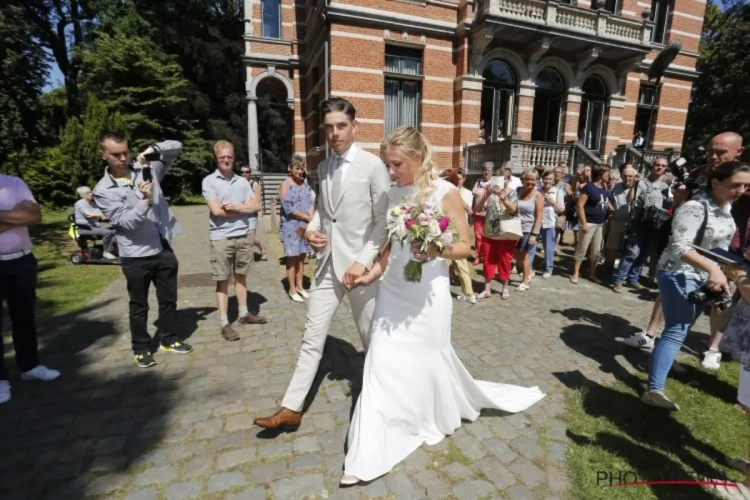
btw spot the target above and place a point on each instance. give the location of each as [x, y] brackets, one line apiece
[478, 223]
[498, 255]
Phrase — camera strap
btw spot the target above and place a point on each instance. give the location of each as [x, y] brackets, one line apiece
[702, 230]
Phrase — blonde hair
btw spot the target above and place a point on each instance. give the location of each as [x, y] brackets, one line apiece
[413, 144]
[532, 173]
[220, 145]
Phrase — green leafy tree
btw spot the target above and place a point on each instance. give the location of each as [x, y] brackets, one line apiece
[717, 103]
[23, 68]
[146, 86]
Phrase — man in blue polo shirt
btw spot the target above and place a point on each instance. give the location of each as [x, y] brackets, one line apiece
[231, 201]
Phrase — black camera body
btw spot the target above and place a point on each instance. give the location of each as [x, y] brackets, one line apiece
[692, 178]
[703, 295]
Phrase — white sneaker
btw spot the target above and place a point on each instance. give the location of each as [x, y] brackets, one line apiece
[471, 299]
[639, 340]
[547, 275]
[303, 293]
[4, 391]
[42, 373]
[711, 360]
[109, 256]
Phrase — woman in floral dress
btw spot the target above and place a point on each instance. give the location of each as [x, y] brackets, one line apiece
[297, 208]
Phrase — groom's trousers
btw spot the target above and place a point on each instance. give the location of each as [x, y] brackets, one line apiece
[326, 295]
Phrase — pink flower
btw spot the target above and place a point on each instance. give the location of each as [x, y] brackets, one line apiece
[444, 223]
[410, 223]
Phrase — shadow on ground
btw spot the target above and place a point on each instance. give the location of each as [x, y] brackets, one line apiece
[74, 437]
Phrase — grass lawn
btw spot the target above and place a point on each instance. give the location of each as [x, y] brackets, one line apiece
[612, 431]
[62, 286]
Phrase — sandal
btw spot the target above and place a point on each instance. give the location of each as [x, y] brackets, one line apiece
[263, 257]
[505, 295]
[484, 295]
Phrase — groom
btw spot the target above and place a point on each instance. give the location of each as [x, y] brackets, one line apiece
[348, 231]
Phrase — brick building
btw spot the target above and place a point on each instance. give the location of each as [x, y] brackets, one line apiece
[515, 78]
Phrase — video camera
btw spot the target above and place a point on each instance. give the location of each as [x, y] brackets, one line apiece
[702, 295]
[691, 177]
[719, 299]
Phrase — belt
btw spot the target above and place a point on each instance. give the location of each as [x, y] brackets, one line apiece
[14, 256]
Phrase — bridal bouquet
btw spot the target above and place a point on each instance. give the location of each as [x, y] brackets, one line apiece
[424, 225]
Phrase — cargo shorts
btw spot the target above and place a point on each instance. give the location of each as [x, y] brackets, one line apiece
[230, 255]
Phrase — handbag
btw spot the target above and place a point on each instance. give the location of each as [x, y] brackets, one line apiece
[510, 228]
[498, 224]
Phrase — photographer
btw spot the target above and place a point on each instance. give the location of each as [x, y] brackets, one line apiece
[131, 198]
[704, 221]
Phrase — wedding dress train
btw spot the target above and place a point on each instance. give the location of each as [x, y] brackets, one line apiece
[415, 390]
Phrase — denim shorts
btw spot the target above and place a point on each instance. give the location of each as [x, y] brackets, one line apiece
[523, 243]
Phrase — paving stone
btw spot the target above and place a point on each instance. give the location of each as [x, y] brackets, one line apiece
[107, 484]
[307, 461]
[230, 459]
[436, 487]
[249, 494]
[375, 489]
[527, 447]
[470, 446]
[224, 481]
[143, 494]
[305, 444]
[556, 479]
[266, 473]
[529, 473]
[156, 475]
[519, 492]
[198, 466]
[182, 491]
[418, 460]
[494, 470]
[108, 463]
[400, 485]
[457, 471]
[110, 445]
[473, 489]
[275, 449]
[239, 422]
[556, 452]
[500, 450]
[210, 428]
[306, 486]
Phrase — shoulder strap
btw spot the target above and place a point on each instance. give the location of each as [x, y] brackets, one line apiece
[702, 231]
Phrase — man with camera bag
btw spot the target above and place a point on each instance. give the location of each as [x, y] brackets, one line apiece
[131, 198]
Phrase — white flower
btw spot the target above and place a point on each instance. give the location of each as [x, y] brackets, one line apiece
[434, 228]
[396, 211]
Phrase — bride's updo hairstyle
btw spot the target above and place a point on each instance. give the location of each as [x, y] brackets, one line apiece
[411, 143]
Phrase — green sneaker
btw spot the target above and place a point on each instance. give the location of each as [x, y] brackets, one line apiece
[177, 347]
[145, 360]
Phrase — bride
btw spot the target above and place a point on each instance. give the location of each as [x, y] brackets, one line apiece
[415, 389]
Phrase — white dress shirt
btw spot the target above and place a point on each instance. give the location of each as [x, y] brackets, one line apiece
[348, 157]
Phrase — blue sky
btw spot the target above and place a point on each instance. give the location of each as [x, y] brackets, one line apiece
[54, 77]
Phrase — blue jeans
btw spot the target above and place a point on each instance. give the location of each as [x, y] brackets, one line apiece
[547, 236]
[634, 253]
[679, 316]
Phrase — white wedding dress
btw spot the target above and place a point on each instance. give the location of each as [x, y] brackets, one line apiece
[415, 389]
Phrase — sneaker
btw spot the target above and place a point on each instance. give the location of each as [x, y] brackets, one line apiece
[639, 340]
[40, 373]
[229, 333]
[252, 319]
[484, 295]
[471, 299]
[522, 287]
[617, 288]
[4, 391]
[711, 360]
[659, 400]
[145, 360]
[636, 286]
[176, 347]
[303, 293]
[547, 275]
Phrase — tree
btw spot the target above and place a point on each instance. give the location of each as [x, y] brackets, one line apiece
[274, 119]
[146, 86]
[724, 67]
[62, 26]
[23, 69]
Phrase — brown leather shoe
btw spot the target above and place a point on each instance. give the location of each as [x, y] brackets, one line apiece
[285, 418]
[253, 319]
[229, 333]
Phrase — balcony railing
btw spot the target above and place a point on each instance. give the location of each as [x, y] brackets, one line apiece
[642, 159]
[528, 154]
[549, 13]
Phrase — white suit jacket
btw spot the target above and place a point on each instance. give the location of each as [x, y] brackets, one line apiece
[355, 223]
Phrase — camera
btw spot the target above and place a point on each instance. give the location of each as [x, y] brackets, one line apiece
[692, 178]
[155, 156]
[703, 295]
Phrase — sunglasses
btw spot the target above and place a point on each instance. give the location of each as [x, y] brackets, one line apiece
[245, 172]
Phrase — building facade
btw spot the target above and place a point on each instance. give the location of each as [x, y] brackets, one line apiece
[535, 73]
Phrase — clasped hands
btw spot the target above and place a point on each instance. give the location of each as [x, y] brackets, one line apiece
[22, 205]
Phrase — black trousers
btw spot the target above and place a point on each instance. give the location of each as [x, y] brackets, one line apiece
[18, 289]
[140, 272]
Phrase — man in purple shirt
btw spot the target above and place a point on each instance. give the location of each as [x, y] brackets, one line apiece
[18, 209]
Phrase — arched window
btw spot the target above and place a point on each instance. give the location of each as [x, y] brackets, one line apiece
[548, 101]
[498, 101]
[591, 119]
